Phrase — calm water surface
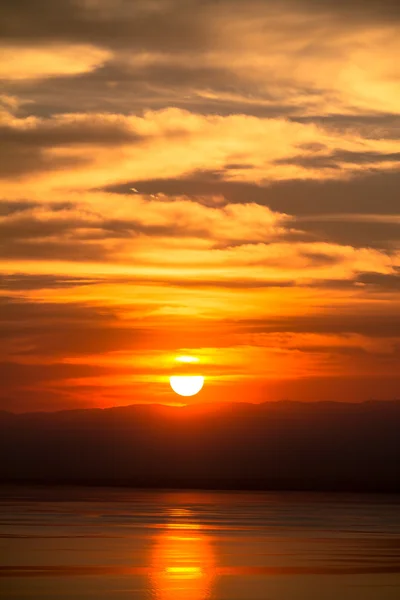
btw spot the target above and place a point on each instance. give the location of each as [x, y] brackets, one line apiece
[117, 544]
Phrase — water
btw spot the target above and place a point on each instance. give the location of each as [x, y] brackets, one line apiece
[118, 544]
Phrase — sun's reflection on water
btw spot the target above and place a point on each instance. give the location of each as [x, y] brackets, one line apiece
[182, 566]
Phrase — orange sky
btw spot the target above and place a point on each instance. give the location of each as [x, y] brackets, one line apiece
[217, 179]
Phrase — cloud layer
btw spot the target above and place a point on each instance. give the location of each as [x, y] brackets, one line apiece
[208, 177]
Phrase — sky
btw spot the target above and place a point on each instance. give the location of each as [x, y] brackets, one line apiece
[217, 179]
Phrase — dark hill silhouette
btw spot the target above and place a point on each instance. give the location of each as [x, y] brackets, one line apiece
[284, 445]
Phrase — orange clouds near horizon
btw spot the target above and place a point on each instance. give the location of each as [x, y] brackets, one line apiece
[216, 179]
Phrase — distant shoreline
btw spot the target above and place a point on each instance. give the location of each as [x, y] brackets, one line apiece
[214, 486]
[283, 446]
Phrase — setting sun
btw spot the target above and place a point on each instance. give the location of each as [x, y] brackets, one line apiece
[186, 385]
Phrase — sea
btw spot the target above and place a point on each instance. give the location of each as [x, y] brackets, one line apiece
[118, 544]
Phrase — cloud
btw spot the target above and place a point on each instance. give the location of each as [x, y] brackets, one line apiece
[39, 332]
[25, 282]
[381, 281]
[13, 373]
[68, 130]
[19, 63]
[223, 240]
[358, 10]
[173, 143]
[365, 323]
[303, 57]
[162, 21]
[376, 231]
[312, 204]
[142, 25]
[40, 232]
[372, 126]
[170, 167]
[26, 313]
[361, 194]
[33, 145]
[95, 226]
[9, 208]
[336, 158]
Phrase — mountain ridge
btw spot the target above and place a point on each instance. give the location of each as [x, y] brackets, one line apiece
[280, 445]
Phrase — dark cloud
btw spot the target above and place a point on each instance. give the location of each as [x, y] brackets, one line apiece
[381, 281]
[25, 282]
[25, 150]
[374, 234]
[357, 10]
[172, 25]
[169, 76]
[24, 313]
[131, 227]
[16, 160]
[312, 146]
[338, 157]
[8, 208]
[199, 283]
[119, 87]
[331, 284]
[368, 324]
[378, 282]
[373, 126]
[237, 166]
[52, 133]
[32, 227]
[16, 375]
[371, 193]
[68, 250]
[320, 258]
[29, 237]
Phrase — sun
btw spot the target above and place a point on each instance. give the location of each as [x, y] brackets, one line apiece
[186, 385]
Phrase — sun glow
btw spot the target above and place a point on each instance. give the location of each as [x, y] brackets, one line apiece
[187, 359]
[186, 385]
